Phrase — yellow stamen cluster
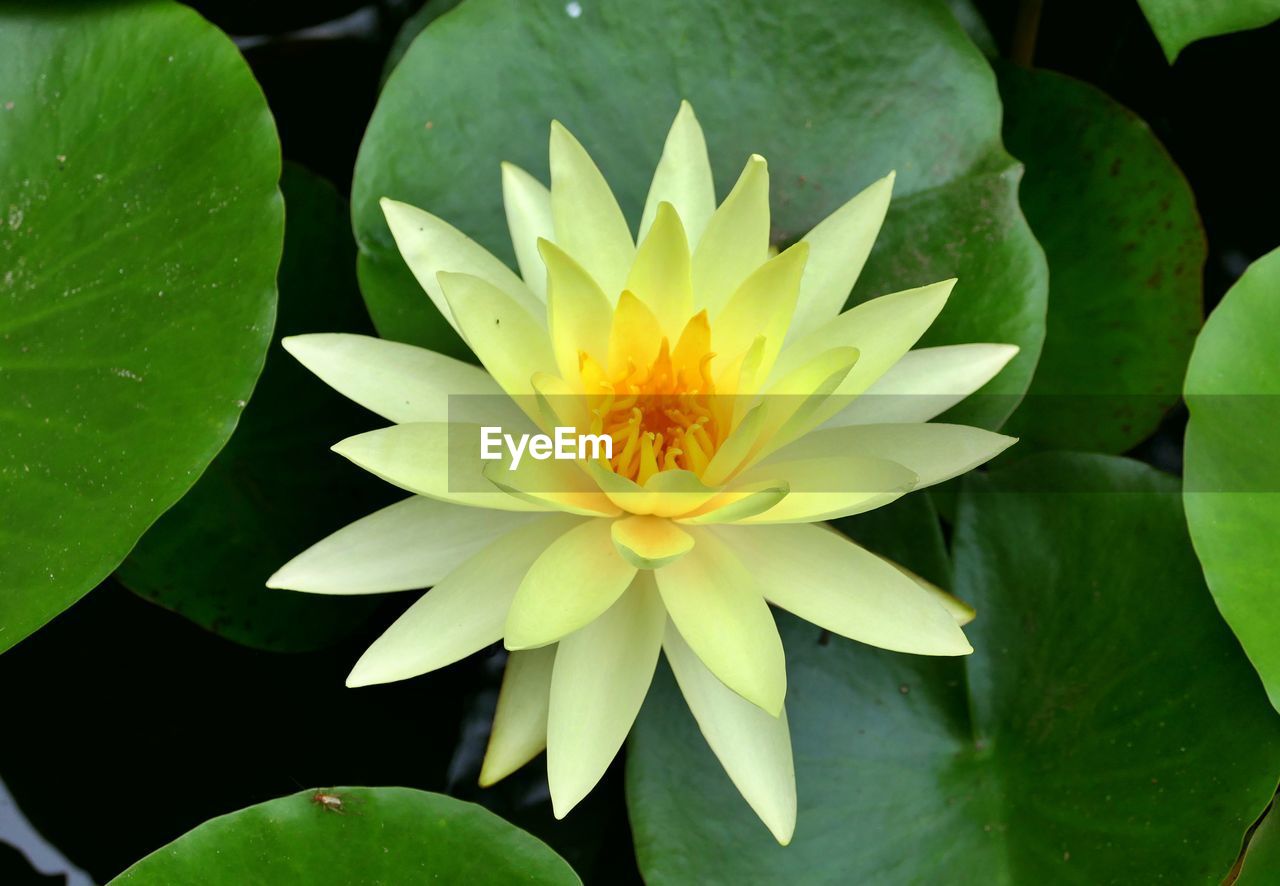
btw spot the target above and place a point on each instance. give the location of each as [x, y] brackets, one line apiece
[661, 416]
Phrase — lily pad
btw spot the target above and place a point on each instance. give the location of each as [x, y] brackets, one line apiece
[1260, 864]
[1126, 251]
[354, 836]
[1180, 22]
[480, 85]
[275, 488]
[1106, 728]
[1233, 466]
[141, 233]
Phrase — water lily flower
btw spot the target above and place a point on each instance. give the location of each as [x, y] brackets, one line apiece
[744, 410]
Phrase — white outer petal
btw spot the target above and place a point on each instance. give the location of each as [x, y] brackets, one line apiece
[411, 544]
[602, 674]
[925, 383]
[753, 747]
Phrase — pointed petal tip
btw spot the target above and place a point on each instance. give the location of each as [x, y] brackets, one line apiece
[491, 773]
[565, 797]
[783, 836]
[561, 133]
[356, 679]
[392, 207]
[519, 643]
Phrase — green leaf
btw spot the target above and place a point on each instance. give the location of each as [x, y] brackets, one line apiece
[1261, 862]
[1180, 22]
[141, 232]
[1126, 256]
[368, 836]
[1232, 463]
[275, 488]
[1105, 730]
[974, 25]
[482, 83]
[410, 30]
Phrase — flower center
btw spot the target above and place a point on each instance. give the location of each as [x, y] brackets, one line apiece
[661, 414]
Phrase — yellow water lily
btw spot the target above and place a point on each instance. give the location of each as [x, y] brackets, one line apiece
[742, 408]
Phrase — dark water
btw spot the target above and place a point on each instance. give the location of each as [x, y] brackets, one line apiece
[126, 726]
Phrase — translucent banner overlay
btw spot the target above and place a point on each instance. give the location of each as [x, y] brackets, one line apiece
[557, 443]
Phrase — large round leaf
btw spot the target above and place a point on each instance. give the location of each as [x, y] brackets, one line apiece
[354, 836]
[276, 487]
[902, 88]
[1105, 730]
[1126, 255]
[1179, 22]
[1233, 462]
[1260, 863]
[141, 233]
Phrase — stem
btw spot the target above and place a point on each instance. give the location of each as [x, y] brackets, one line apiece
[1025, 29]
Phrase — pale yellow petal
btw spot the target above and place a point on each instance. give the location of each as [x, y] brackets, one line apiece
[401, 382]
[961, 611]
[511, 342]
[520, 722]
[556, 483]
[718, 607]
[430, 245]
[576, 578]
[742, 441]
[933, 452]
[753, 747]
[882, 330]
[840, 244]
[736, 241]
[827, 487]
[589, 224]
[560, 402]
[925, 383]
[463, 613]
[436, 459]
[635, 335]
[602, 674]
[665, 494]
[578, 314]
[683, 178]
[798, 401]
[823, 577]
[761, 306]
[528, 205]
[411, 544]
[648, 542]
[743, 502]
[662, 274]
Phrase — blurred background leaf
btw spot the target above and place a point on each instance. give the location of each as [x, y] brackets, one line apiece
[360, 837]
[1233, 461]
[1106, 728]
[141, 242]
[830, 115]
[1179, 22]
[1126, 256]
[276, 488]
